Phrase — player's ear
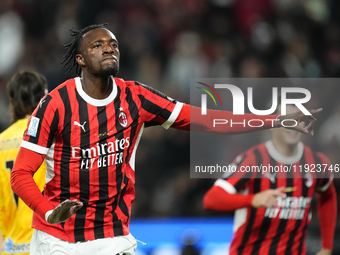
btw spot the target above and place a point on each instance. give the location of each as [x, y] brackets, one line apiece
[80, 60]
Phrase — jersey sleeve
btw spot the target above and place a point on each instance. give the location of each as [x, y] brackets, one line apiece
[190, 118]
[236, 179]
[226, 193]
[41, 127]
[157, 108]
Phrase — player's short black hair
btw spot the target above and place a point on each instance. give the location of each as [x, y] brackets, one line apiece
[25, 89]
[73, 48]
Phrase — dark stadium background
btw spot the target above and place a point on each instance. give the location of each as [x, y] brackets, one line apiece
[164, 43]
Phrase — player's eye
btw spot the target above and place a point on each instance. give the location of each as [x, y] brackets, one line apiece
[96, 46]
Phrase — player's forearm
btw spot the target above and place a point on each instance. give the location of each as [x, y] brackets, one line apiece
[23, 184]
[218, 199]
[327, 214]
[222, 122]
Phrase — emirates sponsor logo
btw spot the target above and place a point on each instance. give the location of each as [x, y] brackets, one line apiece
[289, 208]
[101, 149]
[102, 154]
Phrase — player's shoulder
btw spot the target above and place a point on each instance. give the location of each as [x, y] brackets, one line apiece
[132, 85]
[14, 130]
[312, 152]
[139, 87]
[247, 155]
[258, 147]
[66, 84]
[55, 95]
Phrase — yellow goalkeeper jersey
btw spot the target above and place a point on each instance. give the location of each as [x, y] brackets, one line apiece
[15, 215]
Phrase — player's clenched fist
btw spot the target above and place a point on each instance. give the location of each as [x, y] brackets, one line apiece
[267, 198]
[64, 211]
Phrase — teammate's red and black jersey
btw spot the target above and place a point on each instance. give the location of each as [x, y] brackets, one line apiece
[90, 148]
[281, 229]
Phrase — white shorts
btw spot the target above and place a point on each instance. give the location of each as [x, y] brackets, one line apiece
[45, 244]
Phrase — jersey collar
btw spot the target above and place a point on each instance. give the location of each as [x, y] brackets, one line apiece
[281, 158]
[93, 101]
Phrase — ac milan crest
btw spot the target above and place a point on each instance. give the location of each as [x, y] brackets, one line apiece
[122, 119]
[308, 179]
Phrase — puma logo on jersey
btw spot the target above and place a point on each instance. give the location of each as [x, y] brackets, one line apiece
[41, 102]
[270, 176]
[78, 124]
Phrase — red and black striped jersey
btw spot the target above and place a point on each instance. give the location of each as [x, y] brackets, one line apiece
[281, 229]
[90, 148]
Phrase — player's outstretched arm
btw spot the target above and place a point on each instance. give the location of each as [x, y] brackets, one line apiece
[63, 211]
[220, 122]
[217, 199]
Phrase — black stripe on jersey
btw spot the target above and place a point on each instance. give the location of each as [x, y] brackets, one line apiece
[154, 91]
[302, 244]
[84, 174]
[65, 155]
[151, 123]
[122, 205]
[117, 224]
[103, 180]
[133, 109]
[320, 180]
[283, 223]
[246, 177]
[266, 221]
[40, 115]
[297, 222]
[54, 128]
[153, 108]
[252, 216]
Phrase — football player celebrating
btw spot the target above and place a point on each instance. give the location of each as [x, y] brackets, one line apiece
[87, 130]
[273, 205]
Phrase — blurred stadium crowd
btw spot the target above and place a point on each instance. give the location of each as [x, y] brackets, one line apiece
[164, 43]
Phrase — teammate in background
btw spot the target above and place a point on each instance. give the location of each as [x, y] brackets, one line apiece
[87, 131]
[25, 89]
[273, 209]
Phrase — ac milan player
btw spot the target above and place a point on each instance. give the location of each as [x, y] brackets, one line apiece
[273, 205]
[87, 131]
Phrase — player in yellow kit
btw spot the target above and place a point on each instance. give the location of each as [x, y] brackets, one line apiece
[25, 89]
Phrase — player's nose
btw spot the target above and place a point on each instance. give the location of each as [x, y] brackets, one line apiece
[108, 49]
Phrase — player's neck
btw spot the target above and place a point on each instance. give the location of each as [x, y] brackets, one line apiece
[284, 149]
[97, 87]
